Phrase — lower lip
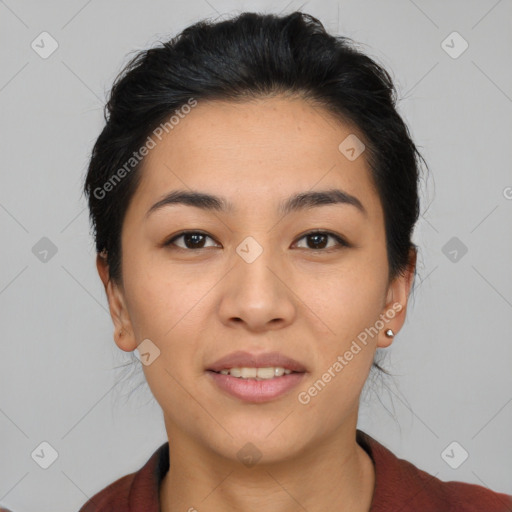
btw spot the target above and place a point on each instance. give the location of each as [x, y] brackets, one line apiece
[252, 390]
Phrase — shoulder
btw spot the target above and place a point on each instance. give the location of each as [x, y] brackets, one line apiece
[474, 498]
[135, 491]
[400, 485]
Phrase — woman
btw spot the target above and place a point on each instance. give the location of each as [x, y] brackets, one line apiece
[253, 195]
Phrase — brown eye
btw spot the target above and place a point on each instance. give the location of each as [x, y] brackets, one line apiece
[191, 240]
[317, 240]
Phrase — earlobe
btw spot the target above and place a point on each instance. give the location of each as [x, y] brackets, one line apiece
[393, 316]
[125, 339]
[385, 337]
[395, 309]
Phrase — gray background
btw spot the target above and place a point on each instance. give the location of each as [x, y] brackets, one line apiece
[452, 360]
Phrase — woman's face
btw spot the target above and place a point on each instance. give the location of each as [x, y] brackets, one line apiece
[252, 279]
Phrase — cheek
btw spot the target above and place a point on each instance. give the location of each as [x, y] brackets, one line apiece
[349, 306]
[167, 309]
[349, 297]
[347, 301]
[168, 304]
[160, 293]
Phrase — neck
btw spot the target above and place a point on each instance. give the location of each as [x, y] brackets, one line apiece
[336, 475]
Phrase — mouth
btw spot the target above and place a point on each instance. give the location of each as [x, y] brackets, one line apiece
[256, 377]
[257, 374]
[252, 388]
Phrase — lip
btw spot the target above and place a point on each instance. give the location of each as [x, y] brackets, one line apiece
[241, 359]
[258, 391]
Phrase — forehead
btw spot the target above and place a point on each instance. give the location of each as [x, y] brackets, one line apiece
[266, 149]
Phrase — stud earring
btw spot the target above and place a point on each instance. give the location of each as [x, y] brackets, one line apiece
[390, 333]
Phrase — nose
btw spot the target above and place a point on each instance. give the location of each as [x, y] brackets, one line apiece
[257, 294]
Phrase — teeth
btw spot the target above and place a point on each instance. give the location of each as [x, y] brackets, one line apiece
[256, 373]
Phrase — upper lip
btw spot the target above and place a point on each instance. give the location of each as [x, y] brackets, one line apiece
[241, 359]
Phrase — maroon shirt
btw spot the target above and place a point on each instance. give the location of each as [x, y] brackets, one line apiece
[399, 487]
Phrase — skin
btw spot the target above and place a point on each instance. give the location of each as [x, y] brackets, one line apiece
[197, 305]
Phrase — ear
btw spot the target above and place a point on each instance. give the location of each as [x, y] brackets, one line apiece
[123, 331]
[396, 302]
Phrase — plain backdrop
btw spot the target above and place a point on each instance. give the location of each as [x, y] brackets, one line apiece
[61, 375]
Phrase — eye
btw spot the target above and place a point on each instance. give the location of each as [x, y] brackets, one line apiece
[194, 240]
[319, 240]
[191, 239]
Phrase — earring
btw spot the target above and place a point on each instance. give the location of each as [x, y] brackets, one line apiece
[390, 333]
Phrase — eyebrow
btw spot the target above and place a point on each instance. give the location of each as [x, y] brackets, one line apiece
[297, 202]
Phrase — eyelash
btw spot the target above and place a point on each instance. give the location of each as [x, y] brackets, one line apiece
[339, 240]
